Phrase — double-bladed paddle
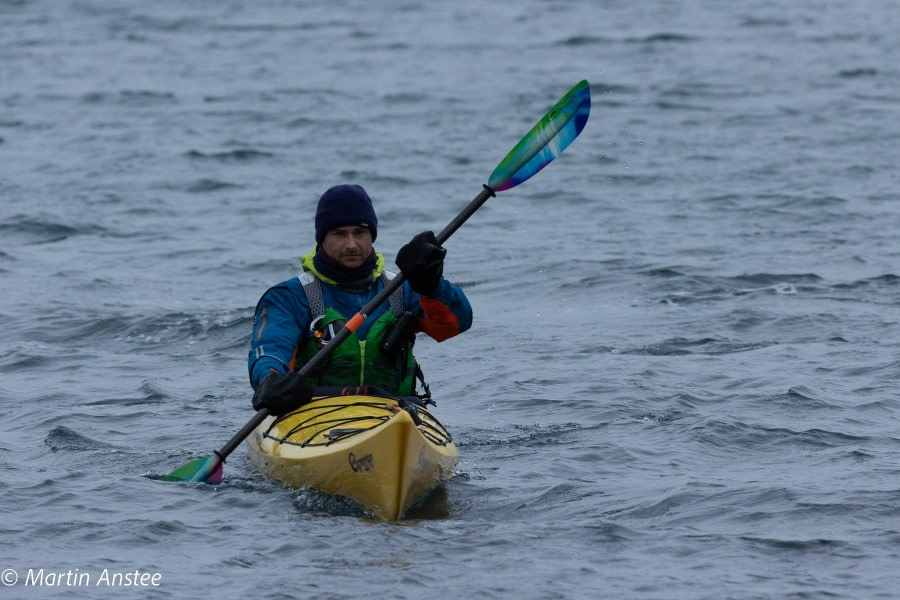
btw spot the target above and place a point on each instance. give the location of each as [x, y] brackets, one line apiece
[546, 140]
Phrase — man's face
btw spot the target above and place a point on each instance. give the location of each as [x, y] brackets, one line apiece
[350, 246]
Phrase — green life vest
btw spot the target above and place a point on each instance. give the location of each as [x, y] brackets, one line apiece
[357, 362]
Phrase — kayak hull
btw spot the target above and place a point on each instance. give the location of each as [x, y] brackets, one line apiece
[366, 448]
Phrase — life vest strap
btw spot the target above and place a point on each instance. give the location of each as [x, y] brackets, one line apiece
[312, 287]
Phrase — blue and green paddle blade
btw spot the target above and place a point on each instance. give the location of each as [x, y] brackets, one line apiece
[546, 140]
[206, 469]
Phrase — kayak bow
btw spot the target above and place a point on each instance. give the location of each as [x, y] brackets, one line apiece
[365, 448]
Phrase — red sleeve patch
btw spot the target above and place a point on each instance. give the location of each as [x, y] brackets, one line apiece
[439, 322]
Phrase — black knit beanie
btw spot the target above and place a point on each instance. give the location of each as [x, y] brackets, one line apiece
[344, 205]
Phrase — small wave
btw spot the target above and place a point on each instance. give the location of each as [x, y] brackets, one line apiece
[800, 546]
[664, 507]
[209, 185]
[17, 360]
[706, 346]
[406, 98]
[723, 200]
[247, 116]
[860, 456]
[560, 495]
[680, 106]
[802, 392]
[802, 206]
[662, 37]
[636, 180]
[888, 370]
[670, 347]
[773, 279]
[755, 21]
[264, 27]
[130, 98]
[164, 25]
[315, 502]
[376, 178]
[224, 331]
[856, 73]
[530, 436]
[610, 533]
[805, 398]
[153, 394]
[747, 437]
[240, 155]
[837, 35]
[64, 439]
[584, 40]
[301, 122]
[888, 279]
[667, 417]
[36, 230]
[705, 289]
[664, 272]
[137, 333]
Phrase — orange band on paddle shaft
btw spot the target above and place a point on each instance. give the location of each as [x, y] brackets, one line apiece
[354, 323]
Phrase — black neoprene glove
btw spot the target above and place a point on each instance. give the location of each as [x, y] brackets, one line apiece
[282, 393]
[422, 262]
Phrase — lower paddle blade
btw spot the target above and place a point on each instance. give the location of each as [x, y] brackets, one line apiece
[207, 469]
[546, 140]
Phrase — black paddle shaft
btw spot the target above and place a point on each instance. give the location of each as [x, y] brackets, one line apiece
[389, 288]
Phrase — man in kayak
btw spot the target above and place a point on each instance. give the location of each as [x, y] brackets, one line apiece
[296, 318]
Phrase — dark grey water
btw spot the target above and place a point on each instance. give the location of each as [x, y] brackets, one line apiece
[682, 377]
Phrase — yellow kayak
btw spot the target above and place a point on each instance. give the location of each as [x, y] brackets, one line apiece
[366, 448]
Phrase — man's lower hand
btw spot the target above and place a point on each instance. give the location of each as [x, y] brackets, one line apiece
[282, 393]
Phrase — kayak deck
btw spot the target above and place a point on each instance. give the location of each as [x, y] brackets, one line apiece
[366, 448]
